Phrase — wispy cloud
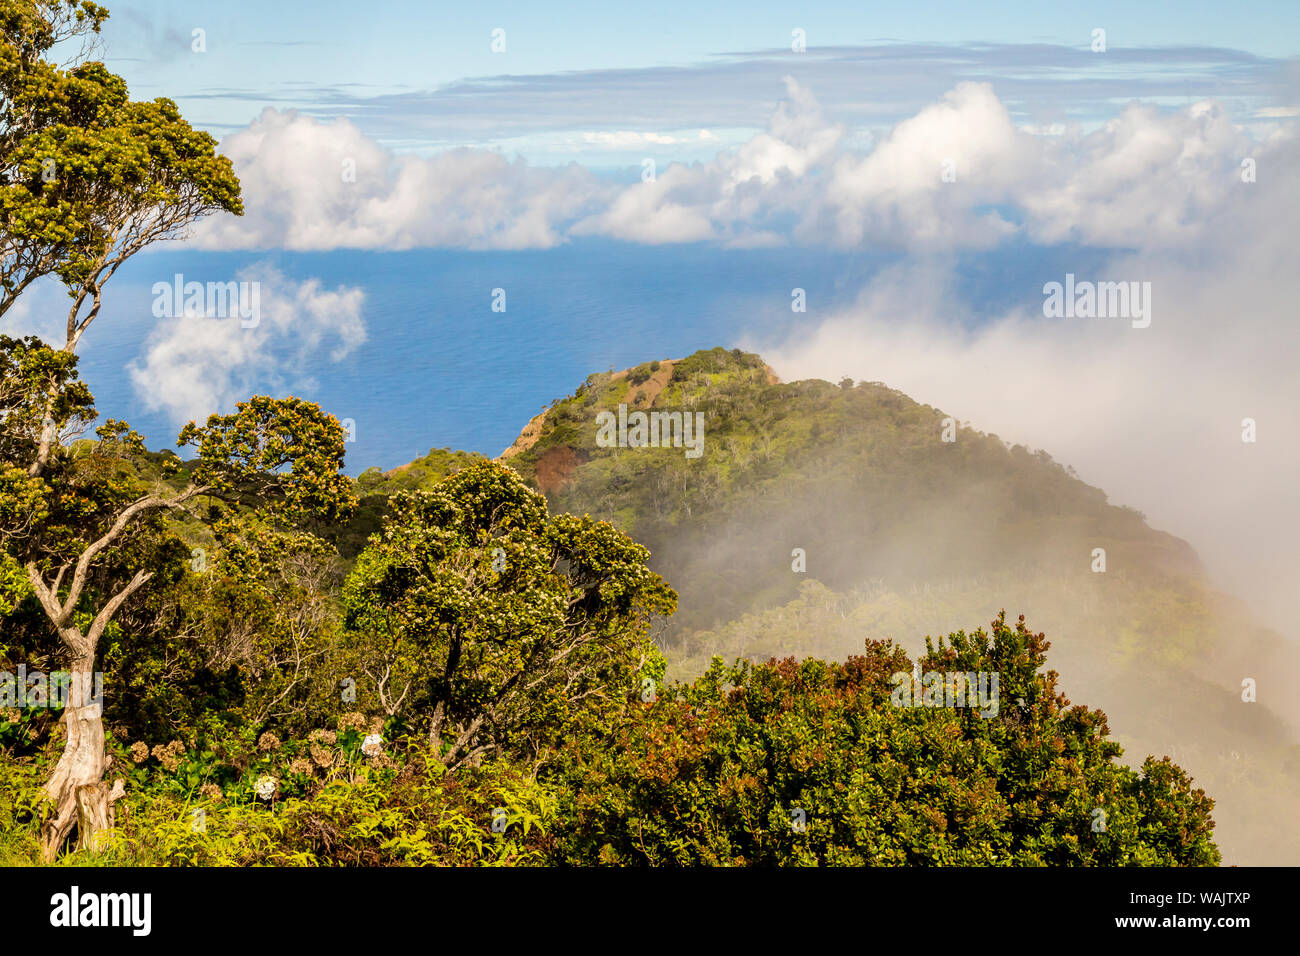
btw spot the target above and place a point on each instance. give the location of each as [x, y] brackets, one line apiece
[195, 365]
[866, 86]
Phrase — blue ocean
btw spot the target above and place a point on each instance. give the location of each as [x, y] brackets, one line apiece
[440, 368]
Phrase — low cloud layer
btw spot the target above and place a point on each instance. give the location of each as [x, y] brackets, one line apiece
[312, 185]
[960, 174]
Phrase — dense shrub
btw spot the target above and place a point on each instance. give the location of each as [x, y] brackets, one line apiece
[810, 763]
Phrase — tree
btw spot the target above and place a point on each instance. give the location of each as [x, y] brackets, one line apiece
[242, 637]
[89, 537]
[88, 177]
[498, 623]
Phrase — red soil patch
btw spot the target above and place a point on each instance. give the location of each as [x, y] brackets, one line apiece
[556, 466]
[644, 395]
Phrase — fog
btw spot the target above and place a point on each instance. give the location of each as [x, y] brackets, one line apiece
[1151, 415]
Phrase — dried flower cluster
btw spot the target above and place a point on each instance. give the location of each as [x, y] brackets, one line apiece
[170, 755]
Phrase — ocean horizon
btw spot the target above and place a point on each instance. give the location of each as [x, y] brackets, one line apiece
[439, 368]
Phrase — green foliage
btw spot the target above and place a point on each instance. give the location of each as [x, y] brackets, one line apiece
[719, 771]
[363, 812]
[14, 588]
[641, 374]
[716, 772]
[374, 488]
[244, 638]
[88, 177]
[475, 610]
[274, 454]
[21, 804]
[37, 385]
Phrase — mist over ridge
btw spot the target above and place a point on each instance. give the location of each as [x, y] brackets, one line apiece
[905, 535]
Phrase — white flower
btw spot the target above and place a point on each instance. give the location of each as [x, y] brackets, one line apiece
[265, 787]
[372, 745]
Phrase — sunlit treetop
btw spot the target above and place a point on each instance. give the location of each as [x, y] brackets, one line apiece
[89, 177]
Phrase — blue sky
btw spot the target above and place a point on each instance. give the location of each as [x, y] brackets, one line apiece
[421, 76]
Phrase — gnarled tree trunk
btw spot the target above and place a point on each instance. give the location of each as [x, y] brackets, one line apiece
[83, 762]
[81, 798]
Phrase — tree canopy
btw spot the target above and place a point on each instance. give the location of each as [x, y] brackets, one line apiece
[478, 611]
[88, 177]
[815, 763]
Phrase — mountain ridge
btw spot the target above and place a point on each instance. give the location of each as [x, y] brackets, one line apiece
[903, 534]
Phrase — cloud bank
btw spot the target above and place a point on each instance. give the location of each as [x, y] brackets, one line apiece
[960, 174]
[312, 185]
[1152, 415]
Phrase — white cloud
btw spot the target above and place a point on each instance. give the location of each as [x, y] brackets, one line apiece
[960, 174]
[1143, 179]
[732, 197]
[922, 185]
[196, 365]
[311, 185]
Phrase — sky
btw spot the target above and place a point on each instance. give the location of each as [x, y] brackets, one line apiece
[420, 76]
[954, 137]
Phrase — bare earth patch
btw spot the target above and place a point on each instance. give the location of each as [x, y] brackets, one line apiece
[642, 396]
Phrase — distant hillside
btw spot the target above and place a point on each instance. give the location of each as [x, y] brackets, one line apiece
[904, 534]
[857, 476]
[374, 487]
